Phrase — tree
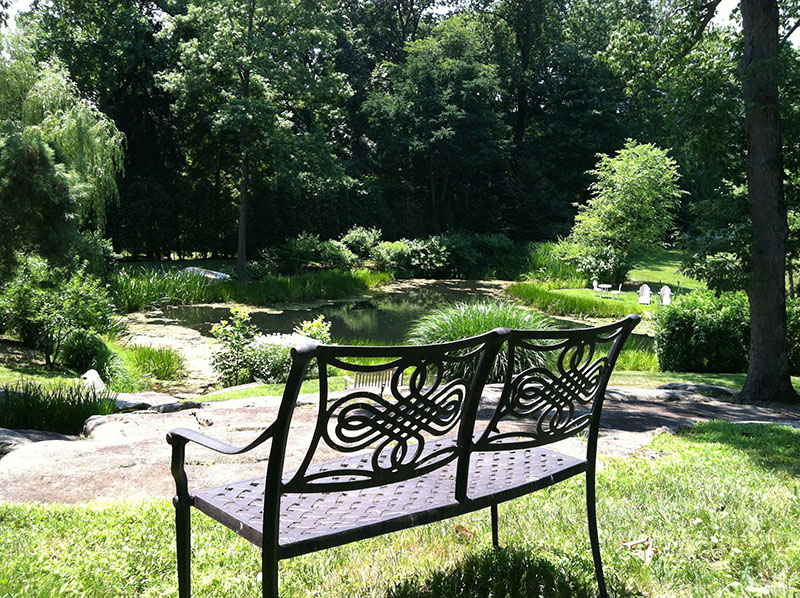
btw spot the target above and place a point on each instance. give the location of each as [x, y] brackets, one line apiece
[436, 118]
[768, 372]
[260, 75]
[42, 103]
[37, 211]
[632, 207]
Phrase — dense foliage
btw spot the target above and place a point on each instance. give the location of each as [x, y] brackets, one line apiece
[703, 332]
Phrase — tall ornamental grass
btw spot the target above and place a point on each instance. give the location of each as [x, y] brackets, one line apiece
[461, 320]
[58, 408]
[136, 290]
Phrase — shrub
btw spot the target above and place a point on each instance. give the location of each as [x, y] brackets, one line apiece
[319, 329]
[301, 252]
[361, 240]
[236, 335]
[428, 257]
[391, 256]
[62, 409]
[701, 332]
[461, 320]
[265, 265]
[84, 350]
[45, 305]
[335, 254]
[471, 255]
[269, 363]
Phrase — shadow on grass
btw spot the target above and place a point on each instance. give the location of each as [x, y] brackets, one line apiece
[506, 573]
[770, 447]
[22, 360]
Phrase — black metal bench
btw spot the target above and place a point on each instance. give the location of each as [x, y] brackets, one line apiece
[415, 454]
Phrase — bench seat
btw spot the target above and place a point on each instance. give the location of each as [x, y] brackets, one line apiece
[314, 520]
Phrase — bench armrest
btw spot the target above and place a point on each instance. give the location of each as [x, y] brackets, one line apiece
[185, 435]
[180, 437]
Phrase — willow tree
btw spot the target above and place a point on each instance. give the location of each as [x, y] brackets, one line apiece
[263, 72]
[42, 103]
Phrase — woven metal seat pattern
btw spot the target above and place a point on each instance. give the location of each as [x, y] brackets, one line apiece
[311, 520]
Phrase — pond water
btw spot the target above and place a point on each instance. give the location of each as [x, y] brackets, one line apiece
[384, 318]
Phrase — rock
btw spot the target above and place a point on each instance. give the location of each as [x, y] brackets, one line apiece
[91, 379]
[708, 390]
[287, 340]
[13, 439]
[10, 440]
[210, 274]
[173, 407]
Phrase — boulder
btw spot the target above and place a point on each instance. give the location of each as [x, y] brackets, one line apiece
[92, 379]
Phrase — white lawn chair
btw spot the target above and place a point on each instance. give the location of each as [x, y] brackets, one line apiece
[618, 293]
[644, 295]
[666, 295]
[598, 292]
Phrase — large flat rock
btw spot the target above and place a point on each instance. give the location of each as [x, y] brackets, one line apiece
[126, 454]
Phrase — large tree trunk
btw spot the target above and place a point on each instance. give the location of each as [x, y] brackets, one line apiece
[768, 374]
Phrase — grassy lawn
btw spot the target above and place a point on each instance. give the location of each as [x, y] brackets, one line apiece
[660, 267]
[719, 501]
[17, 362]
[656, 379]
[273, 390]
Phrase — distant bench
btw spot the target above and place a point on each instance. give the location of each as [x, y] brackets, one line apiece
[415, 455]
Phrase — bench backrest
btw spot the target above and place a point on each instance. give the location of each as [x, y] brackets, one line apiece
[430, 387]
[553, 395]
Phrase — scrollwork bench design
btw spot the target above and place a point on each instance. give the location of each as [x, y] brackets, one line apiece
[414, 454]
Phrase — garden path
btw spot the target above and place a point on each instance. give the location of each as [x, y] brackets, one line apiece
[125, 455]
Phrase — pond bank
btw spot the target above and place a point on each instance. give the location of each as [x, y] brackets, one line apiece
[385, 311]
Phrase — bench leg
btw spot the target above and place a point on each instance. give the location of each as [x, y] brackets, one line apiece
[591, 514]
[269, 575]
[184, 545]
[495, 531]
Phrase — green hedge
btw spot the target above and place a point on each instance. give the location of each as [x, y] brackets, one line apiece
[701, 332]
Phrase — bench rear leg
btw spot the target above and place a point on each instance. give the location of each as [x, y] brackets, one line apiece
[495, 525]
[591, 514]
[184, 546]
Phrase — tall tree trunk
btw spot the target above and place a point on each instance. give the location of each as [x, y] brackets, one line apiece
[244, 146]
[768, 374]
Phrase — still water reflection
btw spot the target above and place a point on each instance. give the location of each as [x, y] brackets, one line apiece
[385, 318]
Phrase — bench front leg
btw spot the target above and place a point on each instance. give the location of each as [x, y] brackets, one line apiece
[182, 503]
[594, 539]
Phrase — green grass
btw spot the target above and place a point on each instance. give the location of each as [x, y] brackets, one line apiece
[644, 379]
[661, 266]
[720, 502]
[27, 405]
[273, 390]
[575, 303]
[135, 290]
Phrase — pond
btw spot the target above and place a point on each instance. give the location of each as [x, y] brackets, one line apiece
[383, 318]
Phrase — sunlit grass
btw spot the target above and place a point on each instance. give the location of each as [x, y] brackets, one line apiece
[720, 503]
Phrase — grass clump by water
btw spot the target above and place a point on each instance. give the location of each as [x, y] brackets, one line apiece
[135, 290]
[462, 320]
[719, 501]
[134, 368]
[27, 405]
[565, 304]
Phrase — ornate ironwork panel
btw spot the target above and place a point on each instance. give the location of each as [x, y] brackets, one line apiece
[543, 404]
[394, 425]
